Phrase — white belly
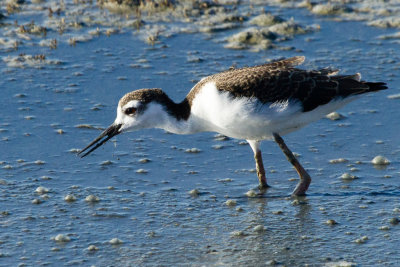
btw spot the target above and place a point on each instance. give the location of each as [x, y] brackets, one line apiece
[247, 118]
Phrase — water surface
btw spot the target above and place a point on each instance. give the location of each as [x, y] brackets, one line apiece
[143, 179]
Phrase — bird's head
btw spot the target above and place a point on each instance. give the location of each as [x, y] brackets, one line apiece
[136, 110]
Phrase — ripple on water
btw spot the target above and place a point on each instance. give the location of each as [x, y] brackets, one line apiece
[69, 81]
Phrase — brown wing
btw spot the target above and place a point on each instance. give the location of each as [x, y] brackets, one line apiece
[280, 81]
[250, 81]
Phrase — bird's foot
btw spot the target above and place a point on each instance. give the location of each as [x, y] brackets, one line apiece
[263, 188]
[301, 188]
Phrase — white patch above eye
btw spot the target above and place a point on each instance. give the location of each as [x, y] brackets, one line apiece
[131, 104]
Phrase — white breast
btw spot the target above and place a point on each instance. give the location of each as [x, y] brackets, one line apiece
[248, 118]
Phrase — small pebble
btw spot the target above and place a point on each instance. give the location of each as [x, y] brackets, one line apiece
[348, 176]
[36, 201]
[194, 193]
[226, 180]
[340, 160]
[106, 162]
[331, 222]
[92, 248]
[74, 150]
[142, 171]
[271, 263]
[20, 95]
[221, 137]
[380, 160]
[277, 212]
[92, 199]
[144, 160]
[237, 233]
[70, 198]
[384, 228]
[45, 196]
[61, 238]
[230, 202]
[115, 241]
[341, 264]
[41, 190]
[259, 228]
[192, 150]
[394, 221]
[361, 240]
[151, 234]
[251, 193]
[395, 96]
[334, 116]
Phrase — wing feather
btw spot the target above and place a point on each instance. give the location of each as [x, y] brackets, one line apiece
[280, 81]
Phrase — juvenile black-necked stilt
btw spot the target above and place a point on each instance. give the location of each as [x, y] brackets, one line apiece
[255, 103]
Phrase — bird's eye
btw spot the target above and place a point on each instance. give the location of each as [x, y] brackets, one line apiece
[130, 111]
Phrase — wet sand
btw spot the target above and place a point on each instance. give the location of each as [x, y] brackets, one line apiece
[146, 199]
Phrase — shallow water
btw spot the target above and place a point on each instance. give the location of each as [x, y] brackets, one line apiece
[49, 111]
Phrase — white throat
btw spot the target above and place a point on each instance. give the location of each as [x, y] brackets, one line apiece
[156, 116]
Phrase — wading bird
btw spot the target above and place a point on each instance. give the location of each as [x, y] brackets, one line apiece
[254, 103]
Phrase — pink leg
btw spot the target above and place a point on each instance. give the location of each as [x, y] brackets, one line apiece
[260, 170]
[305, 178]
[255, 146]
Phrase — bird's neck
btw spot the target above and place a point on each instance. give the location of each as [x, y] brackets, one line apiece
[174, 117]
[180, 111]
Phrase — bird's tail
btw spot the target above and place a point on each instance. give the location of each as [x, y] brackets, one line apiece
[353, 85]
[377, 86]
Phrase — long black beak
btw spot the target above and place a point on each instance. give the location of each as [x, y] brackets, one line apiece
[108, 133]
